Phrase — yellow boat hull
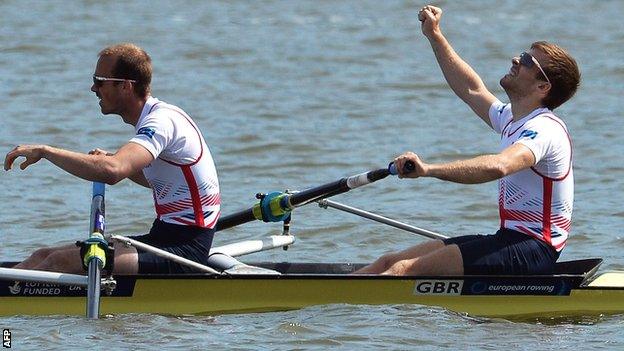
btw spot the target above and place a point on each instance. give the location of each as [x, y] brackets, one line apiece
[204, 294]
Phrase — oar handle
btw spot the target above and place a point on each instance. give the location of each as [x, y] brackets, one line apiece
[408, 167]
[98, 189]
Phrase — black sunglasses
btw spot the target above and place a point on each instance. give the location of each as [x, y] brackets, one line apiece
[528, 61]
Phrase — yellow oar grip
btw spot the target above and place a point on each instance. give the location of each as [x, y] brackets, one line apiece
[95, 250]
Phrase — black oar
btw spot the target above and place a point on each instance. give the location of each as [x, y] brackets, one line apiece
[284, 203]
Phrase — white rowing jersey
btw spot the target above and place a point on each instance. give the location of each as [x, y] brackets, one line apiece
[182, 175]
[537, 201]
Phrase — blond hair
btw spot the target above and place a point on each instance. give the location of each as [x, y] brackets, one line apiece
[132, 63]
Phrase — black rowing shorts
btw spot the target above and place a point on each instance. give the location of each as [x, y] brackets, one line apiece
[190, 242]
[506, 252]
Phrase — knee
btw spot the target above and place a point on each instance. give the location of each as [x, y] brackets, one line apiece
[61, 261]
[42, 254]
[388, 259]
[401, 267]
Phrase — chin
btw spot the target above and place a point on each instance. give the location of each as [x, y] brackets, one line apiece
[104, 110]
[504, 82]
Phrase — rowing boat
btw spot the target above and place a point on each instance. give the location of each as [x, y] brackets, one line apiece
[227, 285]
[575, 289]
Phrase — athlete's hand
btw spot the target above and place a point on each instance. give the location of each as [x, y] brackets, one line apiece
[430, 16]
[32, 153]
[420, 168]
[97, 151]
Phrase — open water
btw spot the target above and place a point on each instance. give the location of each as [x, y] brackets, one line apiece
[293, 94]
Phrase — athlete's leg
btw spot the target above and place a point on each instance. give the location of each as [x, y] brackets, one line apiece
[388, 260]
[67, 259]
[35, 258]
[446, 260]
[126, 259]
[64, 259]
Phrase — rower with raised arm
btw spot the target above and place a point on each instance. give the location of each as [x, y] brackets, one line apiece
[167, 154]
[534, 166]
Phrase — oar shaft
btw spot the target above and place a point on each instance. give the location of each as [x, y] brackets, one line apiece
[95, 256]
[338, 187]
[235, 219]
[28, 275]
[306, 196]
[381, 219]
[165, 254]
[93, 290]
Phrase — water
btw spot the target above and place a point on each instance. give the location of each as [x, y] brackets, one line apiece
[293, 94]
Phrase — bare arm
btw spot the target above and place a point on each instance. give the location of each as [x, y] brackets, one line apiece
[137, 177]
[462, 79]
[140, 179]
[130, 159]
[476, 170]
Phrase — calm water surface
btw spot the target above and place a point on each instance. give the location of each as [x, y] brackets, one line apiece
[293, 94]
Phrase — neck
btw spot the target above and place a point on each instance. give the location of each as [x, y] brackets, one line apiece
[133, 111]
[523, 106]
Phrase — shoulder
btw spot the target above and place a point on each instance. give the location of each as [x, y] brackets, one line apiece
[161, 113]
[169, 111]
[500, 115]
[156, 120]
[548, 134]
[499, 108]
[548, 122]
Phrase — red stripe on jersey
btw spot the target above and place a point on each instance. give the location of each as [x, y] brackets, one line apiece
[562, 222]
[214, 222]
[192, 184]
[547, 209]
[525, 216]
[184, 221]
[165, 209]
[211, 200]
[501, 205]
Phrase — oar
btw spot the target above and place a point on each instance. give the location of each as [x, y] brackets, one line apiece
[94, 257]
[324, 203]
[282, 204]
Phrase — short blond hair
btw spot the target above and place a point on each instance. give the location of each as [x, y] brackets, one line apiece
[132, 63]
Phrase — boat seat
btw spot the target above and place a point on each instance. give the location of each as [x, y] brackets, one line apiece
[230, 265]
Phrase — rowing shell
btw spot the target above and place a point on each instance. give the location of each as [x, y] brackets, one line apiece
[574, 290]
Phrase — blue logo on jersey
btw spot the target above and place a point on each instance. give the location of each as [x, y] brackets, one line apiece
[529, 134]
[146, 131]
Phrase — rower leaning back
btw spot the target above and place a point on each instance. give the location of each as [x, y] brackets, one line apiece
[534, 168]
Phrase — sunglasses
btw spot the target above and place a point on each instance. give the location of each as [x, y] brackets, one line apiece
[528, 61]
[98, 81]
